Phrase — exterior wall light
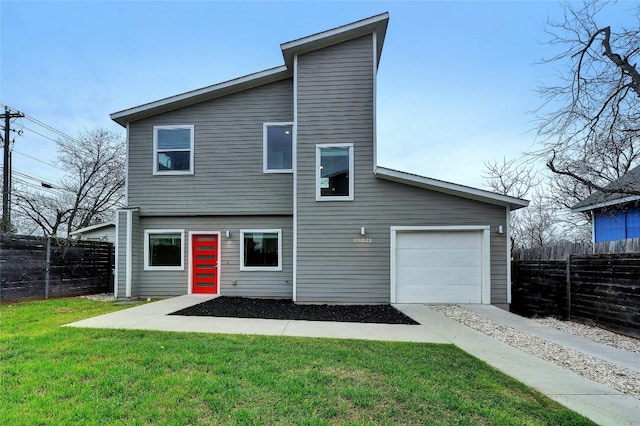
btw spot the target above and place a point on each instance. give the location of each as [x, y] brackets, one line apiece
[363, 231]
[227, 233]
[500, 229]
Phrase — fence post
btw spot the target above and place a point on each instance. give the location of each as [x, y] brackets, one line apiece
[47, 268]
[567, 315]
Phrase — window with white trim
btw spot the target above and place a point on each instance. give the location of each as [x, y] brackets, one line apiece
[163, 249]
[334, 172]
[277, 150]
[261, 250]
[173, 150]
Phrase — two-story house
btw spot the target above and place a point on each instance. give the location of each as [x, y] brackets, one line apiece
[268, 186]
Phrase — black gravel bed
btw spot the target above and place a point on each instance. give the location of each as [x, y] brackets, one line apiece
[242, 307]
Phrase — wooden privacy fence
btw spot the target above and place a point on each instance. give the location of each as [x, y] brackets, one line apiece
[601, 289]
[40, 268]
[563, 251]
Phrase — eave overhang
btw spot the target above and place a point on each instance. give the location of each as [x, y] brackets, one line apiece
[375, 24]
[200, 95]
[604, 204]
[450, 188]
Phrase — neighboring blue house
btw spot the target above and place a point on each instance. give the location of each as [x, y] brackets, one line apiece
[615, 216]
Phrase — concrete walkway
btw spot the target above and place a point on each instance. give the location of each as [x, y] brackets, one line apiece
[600, 403]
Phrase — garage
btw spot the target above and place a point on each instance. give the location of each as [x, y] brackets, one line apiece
[440, 265]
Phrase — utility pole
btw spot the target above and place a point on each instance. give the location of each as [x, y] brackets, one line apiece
[6, 169]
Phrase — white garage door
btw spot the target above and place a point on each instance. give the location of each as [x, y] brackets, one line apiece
[439, 267]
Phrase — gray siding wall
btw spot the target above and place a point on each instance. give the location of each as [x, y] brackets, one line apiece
[123, 230]
[121, 246]
[248, 283]
[137, 253]
[335, 105]
[228, 177]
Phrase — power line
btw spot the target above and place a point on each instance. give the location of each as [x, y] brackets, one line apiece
[46, 126]
[37, 133]
[37, 159]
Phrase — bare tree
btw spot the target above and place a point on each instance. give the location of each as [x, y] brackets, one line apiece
[87, 194]
[590, 121]
[510, 177]
[536, 226]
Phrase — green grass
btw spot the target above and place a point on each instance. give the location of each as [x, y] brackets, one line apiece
[53, 375]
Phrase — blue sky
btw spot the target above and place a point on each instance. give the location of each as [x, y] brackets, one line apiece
[456, 82]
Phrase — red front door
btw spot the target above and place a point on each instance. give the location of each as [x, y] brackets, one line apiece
[204, 270]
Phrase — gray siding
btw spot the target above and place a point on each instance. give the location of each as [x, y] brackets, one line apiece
[248, 283]
[136, 253]
[123, 231]
[228, 177]
[335, 105]
[121, 247]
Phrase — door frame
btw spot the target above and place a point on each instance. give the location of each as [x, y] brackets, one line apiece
[219, 269]
[486, 254]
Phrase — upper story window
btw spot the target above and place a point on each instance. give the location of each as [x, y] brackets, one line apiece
[334, 172]
[173, 150]
[277, 147]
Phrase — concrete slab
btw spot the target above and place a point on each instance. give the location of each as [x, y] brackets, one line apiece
[597, 402]
[605, 352]
[349, 330]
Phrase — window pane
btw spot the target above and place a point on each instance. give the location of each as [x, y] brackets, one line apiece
[165, 250]
[260, 249]
[174, 138]
[334, 172]
[174, 160]
[279, 147]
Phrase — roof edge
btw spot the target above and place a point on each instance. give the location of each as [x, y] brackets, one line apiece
[450, 188]
[92, 228]
[376, 23]
[578, 208]
[203, 94]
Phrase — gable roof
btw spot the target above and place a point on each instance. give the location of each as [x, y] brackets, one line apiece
[93, 228]
[375, 24]
[451, 188]
[630, 181]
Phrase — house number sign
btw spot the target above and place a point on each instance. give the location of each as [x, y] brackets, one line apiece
[362, 240]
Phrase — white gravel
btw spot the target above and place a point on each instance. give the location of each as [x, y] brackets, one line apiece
[621, 379]
[103, 297]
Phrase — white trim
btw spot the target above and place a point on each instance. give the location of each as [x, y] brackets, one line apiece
[486, 254]
[92, 228]
[117, 243]
[199, 95]
[265, 156]
[608, 203]
[450, 188]
[157, 172]
[148, 232]
[190, 257]
[375, 102]
[377, 24]
[261, 268]
[126, 170]
[508, 235]
[349, 197]
[294, 159]
[593, 231]
[129, 256]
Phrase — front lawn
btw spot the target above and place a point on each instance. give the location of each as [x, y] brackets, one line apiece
[58, 375]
